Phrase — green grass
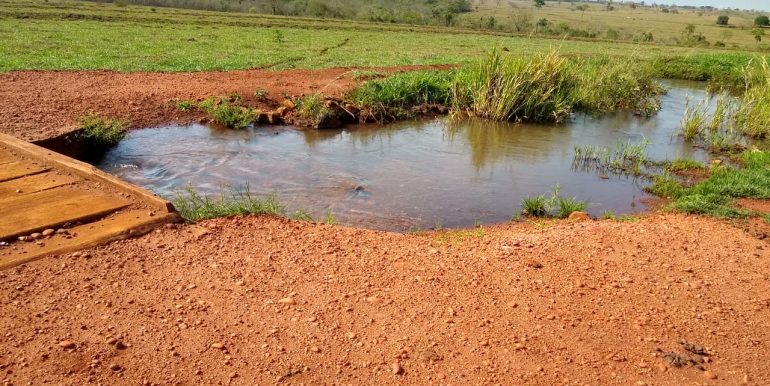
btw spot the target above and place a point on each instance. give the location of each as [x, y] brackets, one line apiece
[715, 195]
[312, 108]
[193, 206]
[101, 133]
[693, 120]
[507, 88]
[721, 69]
[623, 157]
[393, 96]
[682, 164]
[228, 112]
[752, 117]
[555, 206]
[72, 35]
[607, 84]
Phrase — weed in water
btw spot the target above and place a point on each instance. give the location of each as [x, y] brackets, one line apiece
[392, 97]
[693, 120]
[752, 117]
[555, 206]
[228, 114]
[329, 218]
[623, 157]
[101, 133]
[194, 206]
[535, 206]
[301, 215]
[507, 88]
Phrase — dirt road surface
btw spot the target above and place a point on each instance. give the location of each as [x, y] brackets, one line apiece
[262, 300]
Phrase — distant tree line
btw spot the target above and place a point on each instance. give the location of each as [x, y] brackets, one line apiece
[442, 12]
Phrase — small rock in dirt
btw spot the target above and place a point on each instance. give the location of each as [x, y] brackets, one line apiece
[708, 374]
[351, 335]
[315, 349]
[36, 235]
[397, 368]
[48, 232]
[287, 301]
[115, 367]
[578, 216]
[120, 345]
[218, 346]
[67, 345]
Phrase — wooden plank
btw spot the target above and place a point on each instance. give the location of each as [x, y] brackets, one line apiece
[129, 223]
[84, 170]
[52, 208]
[32, 184]
[18, 169]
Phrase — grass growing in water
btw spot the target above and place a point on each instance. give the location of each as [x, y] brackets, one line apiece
[624, 157]
[693, 120]
[312, 108]
[194, 206]
[503, 87]
[100, 132]
[555, 206]
[681, 164]
[752, 117]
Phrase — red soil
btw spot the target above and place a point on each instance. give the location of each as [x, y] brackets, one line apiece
[260, 300]
[44, 104]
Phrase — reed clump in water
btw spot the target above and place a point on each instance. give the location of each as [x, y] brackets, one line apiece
[555, 206]
[393, 97]
[752, 118]
[624, 157]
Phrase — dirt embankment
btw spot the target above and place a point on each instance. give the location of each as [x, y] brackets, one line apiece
[259, 300]
[40, 105]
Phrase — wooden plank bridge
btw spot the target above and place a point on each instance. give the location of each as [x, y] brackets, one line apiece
[53, 204]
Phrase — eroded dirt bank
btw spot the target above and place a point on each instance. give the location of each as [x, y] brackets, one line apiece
[40, 105]
[259, 300]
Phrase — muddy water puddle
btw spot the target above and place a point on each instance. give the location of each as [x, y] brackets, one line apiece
[409, 175]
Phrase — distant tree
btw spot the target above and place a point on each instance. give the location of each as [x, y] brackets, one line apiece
[689, 29]
[762, 21]
[539, 3]
[582, 8]
[758, 33]
[522, 20]
[723, 20]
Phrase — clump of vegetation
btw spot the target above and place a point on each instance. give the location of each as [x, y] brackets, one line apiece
[715, 195]
[752, 116]
[101, 133]
[609, 84]
[312, 108]
[555, 206]
[624, 157]
[682, 164]
[693, 120]
[394, 96]
[194, 206]
[366, 74]
[229, 114]
[186, 105]
[505, 88]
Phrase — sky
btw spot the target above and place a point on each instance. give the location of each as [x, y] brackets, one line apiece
[743, 4]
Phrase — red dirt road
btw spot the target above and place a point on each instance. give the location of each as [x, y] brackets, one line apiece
[260, 300]
[44, 104]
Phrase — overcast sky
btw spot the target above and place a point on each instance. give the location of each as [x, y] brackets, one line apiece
[743, 4]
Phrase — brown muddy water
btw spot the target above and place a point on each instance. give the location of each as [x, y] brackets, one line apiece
[416, 174]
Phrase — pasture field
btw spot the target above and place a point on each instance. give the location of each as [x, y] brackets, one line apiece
[71, 35]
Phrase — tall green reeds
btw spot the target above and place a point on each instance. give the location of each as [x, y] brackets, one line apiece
[752, 117]
[502, 87]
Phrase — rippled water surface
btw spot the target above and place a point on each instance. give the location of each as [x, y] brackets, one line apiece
[414, 174]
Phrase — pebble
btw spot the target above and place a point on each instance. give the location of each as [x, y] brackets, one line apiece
[397, 369]
[115, 367]
[36, 235]
[218, 346]
[66, 344]
[315, 349]
[351, 335]
[48, 232]
[120, 345]
[287, 301]
[708, 374]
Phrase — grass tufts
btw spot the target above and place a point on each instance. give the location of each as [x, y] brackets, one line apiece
[555, 206]
[102, 133]
[194, 206]
[392, 97]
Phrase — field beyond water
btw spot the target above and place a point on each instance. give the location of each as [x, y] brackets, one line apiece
[71, 35]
